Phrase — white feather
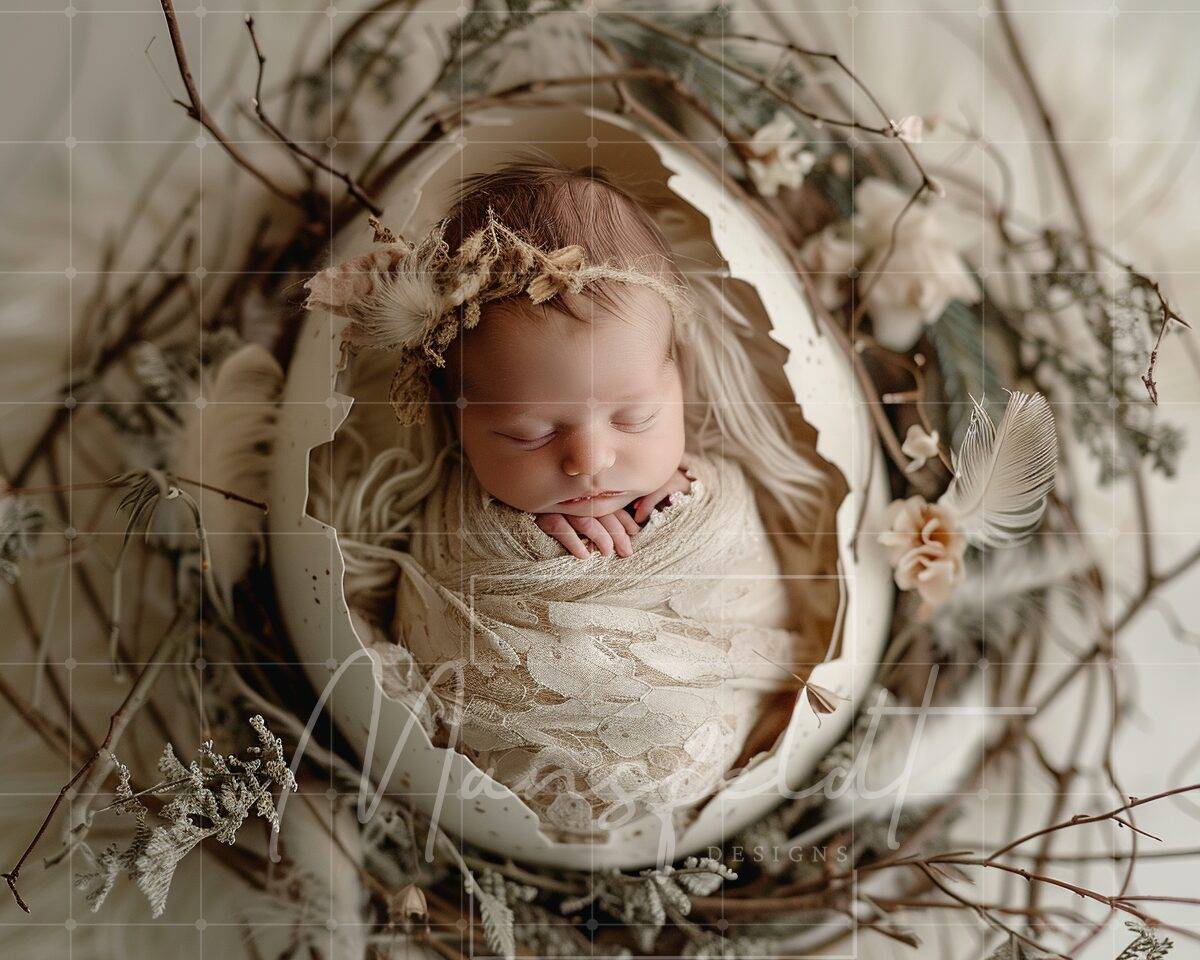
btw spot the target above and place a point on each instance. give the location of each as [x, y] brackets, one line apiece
[1003, 475]
[398, 311]
[227, 445]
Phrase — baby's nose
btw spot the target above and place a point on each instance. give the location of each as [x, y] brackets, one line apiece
[587, 455]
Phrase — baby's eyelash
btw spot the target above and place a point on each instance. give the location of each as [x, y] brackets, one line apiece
[524, 442]
[532, 444]
[645, 422]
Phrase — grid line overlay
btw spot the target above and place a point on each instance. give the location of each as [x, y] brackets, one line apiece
[148, 21]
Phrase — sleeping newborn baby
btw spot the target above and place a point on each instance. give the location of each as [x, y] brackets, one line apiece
[576, 422]
[572, 410]
[595, 607]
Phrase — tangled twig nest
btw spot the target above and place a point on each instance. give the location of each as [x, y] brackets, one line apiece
[679, 65]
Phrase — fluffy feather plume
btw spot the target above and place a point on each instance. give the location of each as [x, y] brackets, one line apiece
[227, 444]
[1003, 475]
[393, 295]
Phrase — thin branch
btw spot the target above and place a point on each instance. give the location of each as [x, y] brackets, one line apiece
[14, 874]
[197, 111]
[360, 80]
[1168, 316]
[1081, 819]
[1031, 85]
[127, 480]
[983, 912]
[349, 181]
[95, 770]
[54, 735]
[1109, 901]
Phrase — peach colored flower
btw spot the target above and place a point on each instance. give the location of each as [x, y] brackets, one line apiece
[926, 549]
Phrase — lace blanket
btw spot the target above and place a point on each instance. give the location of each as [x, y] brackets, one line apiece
[599, 689]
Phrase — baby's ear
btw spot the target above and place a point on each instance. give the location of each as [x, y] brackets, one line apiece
[338, 289]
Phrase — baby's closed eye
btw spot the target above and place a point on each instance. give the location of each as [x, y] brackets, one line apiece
[532, 438]
[637, 421]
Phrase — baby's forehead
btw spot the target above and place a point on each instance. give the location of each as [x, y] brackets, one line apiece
[520, 343]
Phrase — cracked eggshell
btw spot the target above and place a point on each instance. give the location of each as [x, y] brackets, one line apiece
[307, 562]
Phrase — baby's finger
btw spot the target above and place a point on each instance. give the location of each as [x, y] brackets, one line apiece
[594, 530]
[647, 504]
[684, 481]
[575, 546]
[627, 522]
[555, 524]
[620, 537]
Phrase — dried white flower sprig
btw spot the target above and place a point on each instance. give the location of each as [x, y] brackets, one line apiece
[213, 796]
[646, 902]
[1002, 477]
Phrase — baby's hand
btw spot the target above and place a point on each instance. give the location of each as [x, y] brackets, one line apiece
[680, 482]
[609, 532]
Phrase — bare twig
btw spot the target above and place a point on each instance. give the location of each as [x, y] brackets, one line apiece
[1081, 819]
[197, 111]
[126, 480]
[1047, 121]
[986, 913]
[97, 769]
[364, 74]
[349, 181]
[1168, 314]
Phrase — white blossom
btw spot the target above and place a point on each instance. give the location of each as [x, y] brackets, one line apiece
[909, 129]
[923, 272]
[919, 446]
[829, 257]
[778, 160]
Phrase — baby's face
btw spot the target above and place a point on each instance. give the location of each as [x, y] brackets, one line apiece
[558, 410]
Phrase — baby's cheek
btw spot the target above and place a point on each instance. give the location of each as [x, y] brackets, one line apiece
[678, 433]
[665, 452]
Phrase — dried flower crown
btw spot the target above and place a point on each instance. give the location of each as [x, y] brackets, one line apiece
[414, 298]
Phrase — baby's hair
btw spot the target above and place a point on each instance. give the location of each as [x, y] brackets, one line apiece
[554, 205]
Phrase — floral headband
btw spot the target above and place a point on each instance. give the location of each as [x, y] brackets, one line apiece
[414, 298]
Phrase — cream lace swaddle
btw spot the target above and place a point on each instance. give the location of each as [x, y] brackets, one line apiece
[598, 689]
